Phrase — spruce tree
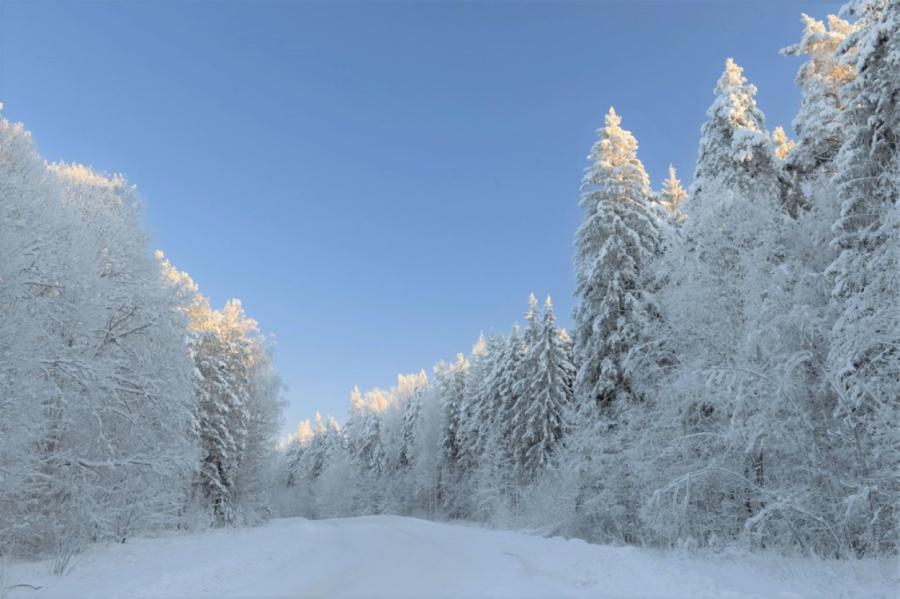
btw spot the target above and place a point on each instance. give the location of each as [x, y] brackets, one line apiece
[541, 423]
[619, 236]
[514, 420]
[821, 80]
[409, 415]
[508, 395]
[222, 354]
[452, 382]
[673, 196]
[473, 391]
[486, 399]
[864, 359]
[735, 150]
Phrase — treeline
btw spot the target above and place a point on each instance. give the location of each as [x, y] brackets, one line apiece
[452, 446]
[734, 370]
[127, 403]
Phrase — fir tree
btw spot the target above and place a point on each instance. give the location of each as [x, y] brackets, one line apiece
[673, 196]
[487, 398]
[619, 236]
[735, 150]
[541, 422]
[865, 354]
[473, 395]
[409, 414]
[528, 364]
[821, 80]
[452, 381]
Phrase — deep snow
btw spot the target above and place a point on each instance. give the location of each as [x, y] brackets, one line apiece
[390, 556]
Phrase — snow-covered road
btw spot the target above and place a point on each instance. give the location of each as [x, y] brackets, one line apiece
[388, 556]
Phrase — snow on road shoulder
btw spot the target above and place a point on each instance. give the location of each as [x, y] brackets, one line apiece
[391, 556]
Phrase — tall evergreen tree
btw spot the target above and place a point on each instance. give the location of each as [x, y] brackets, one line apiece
[473, 395]
[735, 150]
[452, 380]
[541, 424]
[821, 81]
[718, 274]
[223, 354]
[618, 237]
[486, 398]
[409, 414]
[364, 431]
[514, 412]
[865, 353]
[509, 390]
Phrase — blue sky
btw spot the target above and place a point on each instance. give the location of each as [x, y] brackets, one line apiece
[377, 182]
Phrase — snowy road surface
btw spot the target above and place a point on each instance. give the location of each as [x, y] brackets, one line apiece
[388, 556]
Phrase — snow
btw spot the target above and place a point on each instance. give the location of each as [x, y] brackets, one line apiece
[392, 556]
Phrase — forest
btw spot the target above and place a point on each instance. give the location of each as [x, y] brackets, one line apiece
[732, 377]
[733, 374]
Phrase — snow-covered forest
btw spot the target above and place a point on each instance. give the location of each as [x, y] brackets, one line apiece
[732, 376]
[128, 404]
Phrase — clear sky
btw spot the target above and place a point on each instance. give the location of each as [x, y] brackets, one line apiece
[377, 182]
